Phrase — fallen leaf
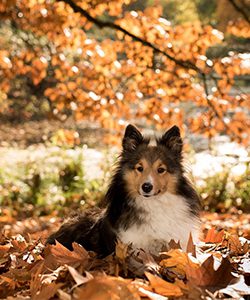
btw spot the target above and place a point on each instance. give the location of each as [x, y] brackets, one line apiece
[64, 256]
[190, 246]
[178, 261]
[4, 249]
[47, 291]
[63, 295]
[207, 276]
[234, 245]
[79, 279]
[163, 287]
[121, 251]
[240, 288]
[213, 236]
[151, 295]
[173, 245]
[104, 287]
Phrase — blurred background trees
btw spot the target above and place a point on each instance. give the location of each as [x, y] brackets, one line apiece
[110, 62]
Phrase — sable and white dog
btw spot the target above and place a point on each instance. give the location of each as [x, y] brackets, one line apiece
[149, 200]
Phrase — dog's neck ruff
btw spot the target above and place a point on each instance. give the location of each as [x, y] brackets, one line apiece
[162, 218]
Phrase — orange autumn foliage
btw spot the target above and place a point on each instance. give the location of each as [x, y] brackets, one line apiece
[140, 67]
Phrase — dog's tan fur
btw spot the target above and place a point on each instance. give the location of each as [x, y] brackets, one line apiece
[163, 182]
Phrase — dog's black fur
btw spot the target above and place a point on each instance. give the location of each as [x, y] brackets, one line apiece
[96, 229]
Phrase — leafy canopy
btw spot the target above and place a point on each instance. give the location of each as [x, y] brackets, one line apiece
[110, 65]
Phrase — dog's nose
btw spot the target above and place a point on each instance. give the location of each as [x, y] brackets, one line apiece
[147, 187]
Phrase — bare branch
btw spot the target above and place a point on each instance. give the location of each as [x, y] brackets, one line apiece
[241, 10]
[101, 24]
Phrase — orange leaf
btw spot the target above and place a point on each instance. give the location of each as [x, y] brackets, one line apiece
[178, 261]
[213, 236]
[104, 287]
[163, 287]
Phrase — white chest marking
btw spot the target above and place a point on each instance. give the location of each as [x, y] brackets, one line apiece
[167, 217]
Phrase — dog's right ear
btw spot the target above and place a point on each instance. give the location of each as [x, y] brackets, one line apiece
[132, 138]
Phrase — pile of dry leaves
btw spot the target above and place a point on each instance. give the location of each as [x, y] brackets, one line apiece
[217, 268]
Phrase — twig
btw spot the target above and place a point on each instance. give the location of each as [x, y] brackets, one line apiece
[240, 9]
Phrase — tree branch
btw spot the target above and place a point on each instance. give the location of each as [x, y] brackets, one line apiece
[101, 24]
[240, 9]
[182, 63]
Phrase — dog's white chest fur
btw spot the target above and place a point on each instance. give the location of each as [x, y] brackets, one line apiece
[166, 217]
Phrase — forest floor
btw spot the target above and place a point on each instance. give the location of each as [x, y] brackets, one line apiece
[217, 268]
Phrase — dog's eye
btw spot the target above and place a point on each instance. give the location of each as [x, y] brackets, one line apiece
[161, 170]
[139, 169]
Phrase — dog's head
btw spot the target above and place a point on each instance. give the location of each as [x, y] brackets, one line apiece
[151, 170]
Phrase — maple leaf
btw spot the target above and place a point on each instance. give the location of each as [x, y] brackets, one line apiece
[62, 255]
[177, 261]
[206, 276]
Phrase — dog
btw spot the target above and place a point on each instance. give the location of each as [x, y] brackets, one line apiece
[148, 202]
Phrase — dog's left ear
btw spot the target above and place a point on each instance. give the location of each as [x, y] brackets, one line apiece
[172, 140]
[132, 138]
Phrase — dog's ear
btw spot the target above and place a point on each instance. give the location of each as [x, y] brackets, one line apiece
[172, 140]
[132, 138]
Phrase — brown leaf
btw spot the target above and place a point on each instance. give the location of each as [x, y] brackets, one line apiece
[64, 256]
[19, 243]
[63, 295]
[177, 261]
[79, 279]
[190, 246]
[121, 250]
[47, 291]
[163, 287]
[173, 245]
[213, 236]
[234, 245]
[207, 276]
[4, 249]
[35, 283]
[104, 287]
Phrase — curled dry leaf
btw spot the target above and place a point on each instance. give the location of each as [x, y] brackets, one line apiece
[79, 279]
[151, 295]
[104, 287]
[177, 261]
[163, 287]
[64, 256]
[234, 245]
